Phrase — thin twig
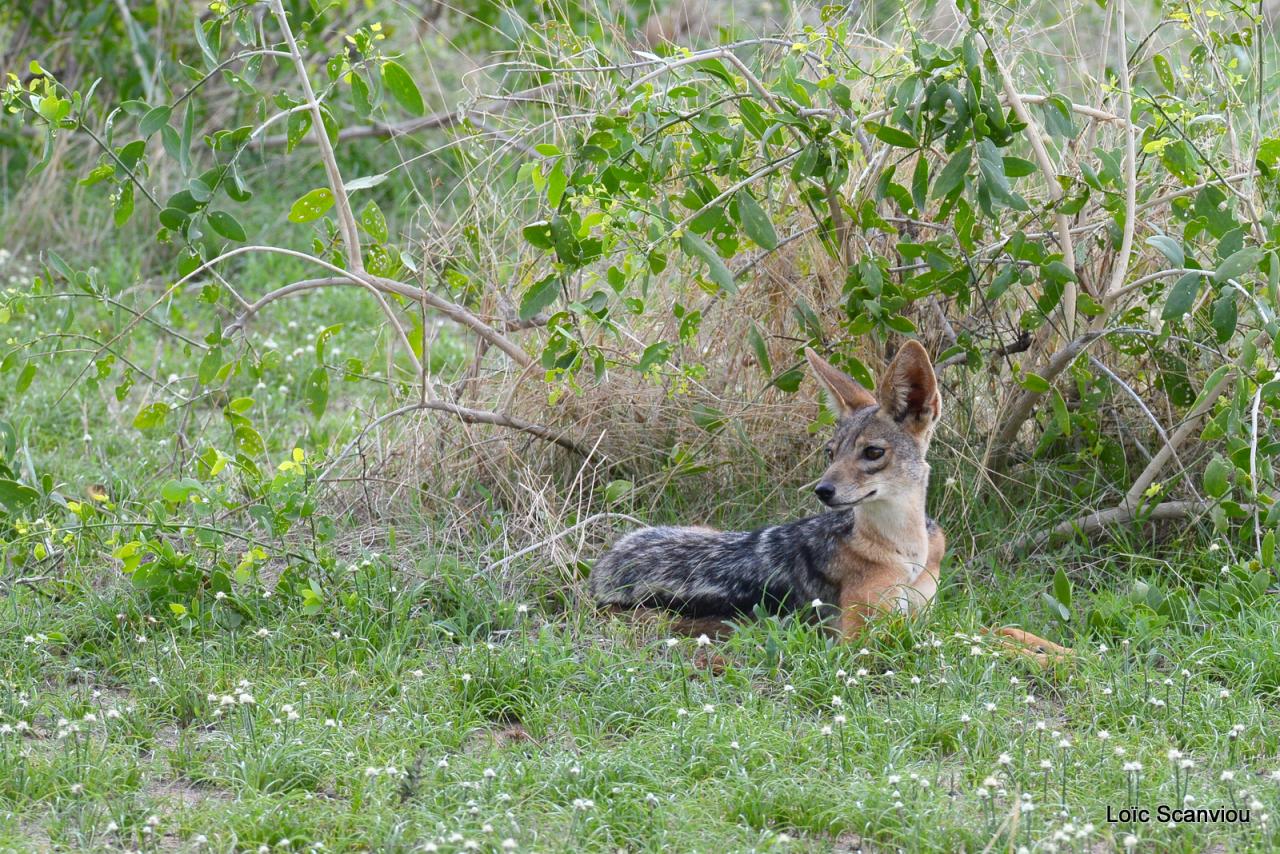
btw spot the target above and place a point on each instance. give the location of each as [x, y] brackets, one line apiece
[559, 535]
[346, 219]
[450, 309]
[1101, 520]
[1121, 268]
[1050, 174]
[1148, 476]
[469, 416]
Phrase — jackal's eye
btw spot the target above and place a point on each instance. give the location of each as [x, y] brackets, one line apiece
[831, 451]
[871, 452]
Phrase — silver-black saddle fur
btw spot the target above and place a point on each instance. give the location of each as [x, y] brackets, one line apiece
[699, 572]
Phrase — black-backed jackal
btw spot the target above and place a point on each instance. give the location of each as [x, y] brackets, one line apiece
[875, 550]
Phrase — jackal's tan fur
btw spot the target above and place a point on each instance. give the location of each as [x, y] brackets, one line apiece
[876, 550]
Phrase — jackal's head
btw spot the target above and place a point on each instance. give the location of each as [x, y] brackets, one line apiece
[878, 451]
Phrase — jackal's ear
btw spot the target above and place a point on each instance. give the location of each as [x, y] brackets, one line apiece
[844, 394]
[909, 391]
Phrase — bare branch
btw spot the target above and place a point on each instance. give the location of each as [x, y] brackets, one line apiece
[449, 309]
[1025, 402]
[1148, 476]
[1101, 520]
[346, 219]
[470, 416]
[1121, 268]
[1050, 173]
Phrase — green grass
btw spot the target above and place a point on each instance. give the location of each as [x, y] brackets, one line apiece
[379, 726]
[420, 706]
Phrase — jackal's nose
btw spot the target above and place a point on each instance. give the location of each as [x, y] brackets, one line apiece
[825, 492]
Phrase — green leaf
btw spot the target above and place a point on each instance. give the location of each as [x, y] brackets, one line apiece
[1034, 382]
[556, 183]
[322, 340]
[1055, 608]
[696, 247]
[653, 355]
[1169, 248]
[991, 165]
[297, 126]
[1062, 587]
[920, 183]
[226, 225]
[151, 416]
[760, 348]
[708, 417]
[1225, 315]
[1164, 71]
[1239, 263]
[892, 135]
[616, 490]
[210, 58]
[1217, 477]
[178, 491]
[173, 218]
[1017, 167]
[1061, 414]
[372, 220]
[539, 234]
[155, 119]
[1273, 278]
[1181, 297]
[16, 495]
[789, 380]
[402, 87]
[542, 295]
[953, 174]
[755, 222]
[209, 366]
[25, 377]
[317, 391]
[312, 206]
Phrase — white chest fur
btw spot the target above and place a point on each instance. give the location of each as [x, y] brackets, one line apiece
[901, 526]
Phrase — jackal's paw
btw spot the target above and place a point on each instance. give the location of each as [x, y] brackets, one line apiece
[1043, 652]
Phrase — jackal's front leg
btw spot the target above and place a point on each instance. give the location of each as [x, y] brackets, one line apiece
[1043, 652]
